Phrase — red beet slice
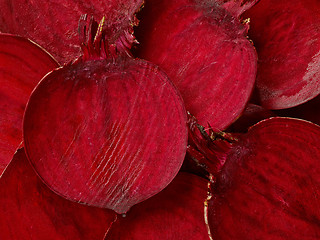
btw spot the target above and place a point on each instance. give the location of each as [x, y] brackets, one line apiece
[107, 132]
[175, 213]
[269, 185]
[287, 37]
[29, 210]
[53, 24]
[205, 53]
[22, 65]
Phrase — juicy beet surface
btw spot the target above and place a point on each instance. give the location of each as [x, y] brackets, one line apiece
[205, 53]
[22, 65]
[29, 210]
[286, 35]
[54, 24]
[108, 133]
[269, 185]
[175, 213]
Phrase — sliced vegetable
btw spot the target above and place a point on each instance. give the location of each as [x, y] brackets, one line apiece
[22, 65]
[107, 130]
[29, 210]
[269, 185]
[204, 50]
[53, 24]
[286, 35]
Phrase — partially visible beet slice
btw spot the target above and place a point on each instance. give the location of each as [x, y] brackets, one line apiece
[269, 187]
[108, 131]
[175, 213]
[22, 65]
[287, 37]
[53, 24]
[29, 210]
[204, 50]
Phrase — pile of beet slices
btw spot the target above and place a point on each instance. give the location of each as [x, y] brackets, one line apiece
[162, 119]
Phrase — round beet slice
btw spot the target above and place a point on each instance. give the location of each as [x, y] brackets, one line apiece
[269, 185]
[22, 65]
[53, 24]
[205, 53]
[175, 213]
[108, 132]
[30, 210]
[286, 35]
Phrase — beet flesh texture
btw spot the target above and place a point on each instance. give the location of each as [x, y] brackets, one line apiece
[106, 133]
[269, 185]
[205, 53]
[54, 24]
[22, 65]
[30, 210]
[287, 38]
[175, 213]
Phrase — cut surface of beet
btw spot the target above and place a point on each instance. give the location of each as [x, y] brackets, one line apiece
[175, 213]
[205, 53]
[22, 65]
[30, 210]
[53, 24]
[106, 133]
[269, 185]
[287, 38]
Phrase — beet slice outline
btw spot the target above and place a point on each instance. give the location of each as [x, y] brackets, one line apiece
[205, 53]
[175, 213]
[269, 185]
[53, 24]
[22, 65]
[106, 132]
[30, 210]
[286, 35]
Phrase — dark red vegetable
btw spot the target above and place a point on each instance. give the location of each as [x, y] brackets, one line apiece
[175, 213]
[107, 130]
[29, 210]
[53, 24]
[204, 50]
[287, 37]
[269, 187]
[22, 65]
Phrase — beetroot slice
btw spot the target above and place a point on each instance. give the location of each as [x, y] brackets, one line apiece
[22, 65]
[29, 210]
[53, 24]
[269, 185]
[175, 213]
[205, 53]
[109, 132]
[287, 37]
